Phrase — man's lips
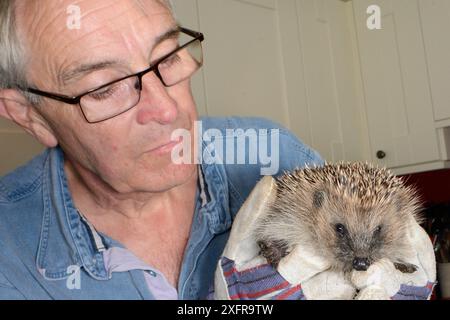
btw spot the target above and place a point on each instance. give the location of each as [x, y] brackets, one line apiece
[164, 148]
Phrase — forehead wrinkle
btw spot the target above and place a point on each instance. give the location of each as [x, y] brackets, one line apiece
[39, 23]
[62, 66]
[32, 14]
[88, 13]
[64, 76]
[57, 69]
[63, 80]
[97, 26]
[31, 17]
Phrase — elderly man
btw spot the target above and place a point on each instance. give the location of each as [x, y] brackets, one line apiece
[105, 212]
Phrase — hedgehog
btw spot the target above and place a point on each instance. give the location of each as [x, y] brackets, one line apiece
[353, 214]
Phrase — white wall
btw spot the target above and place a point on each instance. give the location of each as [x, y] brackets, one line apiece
[16, 146]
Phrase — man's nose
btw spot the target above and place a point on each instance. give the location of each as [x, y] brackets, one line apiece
[361, 264]
[156, 104]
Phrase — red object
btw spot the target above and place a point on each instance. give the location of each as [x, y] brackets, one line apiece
[433, 186]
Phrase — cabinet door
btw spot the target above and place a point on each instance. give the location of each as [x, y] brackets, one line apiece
[243, 72]
[287, 60]
[396, 86]
[321, 77]
[435, 16]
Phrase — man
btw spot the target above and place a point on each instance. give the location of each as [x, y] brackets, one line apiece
[105, 212]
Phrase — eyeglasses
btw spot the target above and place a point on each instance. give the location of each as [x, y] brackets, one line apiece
[118, 96]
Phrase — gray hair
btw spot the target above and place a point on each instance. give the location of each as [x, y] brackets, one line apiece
[12, 53]
[12, 71]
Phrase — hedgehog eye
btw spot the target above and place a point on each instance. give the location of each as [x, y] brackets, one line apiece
[377, 231]
[340, 230]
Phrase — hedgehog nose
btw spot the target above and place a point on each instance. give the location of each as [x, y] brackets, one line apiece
[361, 264]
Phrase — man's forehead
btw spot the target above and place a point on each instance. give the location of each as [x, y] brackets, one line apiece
[89, 11]
[99, 19]
[78, 70]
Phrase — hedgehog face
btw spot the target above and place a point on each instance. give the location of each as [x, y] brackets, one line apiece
[356, 234]
[352, 213]
[354, 247]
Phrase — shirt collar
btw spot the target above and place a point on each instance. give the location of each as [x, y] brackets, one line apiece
[214, 180]
[66, 239]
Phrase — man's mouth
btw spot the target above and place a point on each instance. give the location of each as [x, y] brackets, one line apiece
[165, 148]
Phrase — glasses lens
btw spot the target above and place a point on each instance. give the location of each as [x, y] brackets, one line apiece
[111, 100]
[182, 64]
[116, 98]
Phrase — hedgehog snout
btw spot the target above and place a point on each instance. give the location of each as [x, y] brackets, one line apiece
[361, 264]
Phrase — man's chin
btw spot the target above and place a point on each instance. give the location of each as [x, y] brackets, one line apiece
[172, 176]
[181, 171]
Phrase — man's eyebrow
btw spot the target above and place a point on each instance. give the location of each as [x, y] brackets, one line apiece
[87, 68]
[172, 33]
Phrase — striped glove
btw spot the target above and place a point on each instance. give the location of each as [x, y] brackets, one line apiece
[242, 273]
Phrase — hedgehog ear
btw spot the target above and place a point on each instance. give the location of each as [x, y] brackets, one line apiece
[318, 198]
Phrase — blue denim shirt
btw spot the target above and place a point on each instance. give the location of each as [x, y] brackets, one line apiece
[45, 242]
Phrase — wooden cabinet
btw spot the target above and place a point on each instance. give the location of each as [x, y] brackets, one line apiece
[288, 60]
[435, 18]
[314, 65]
[397, 92]
[243, 71]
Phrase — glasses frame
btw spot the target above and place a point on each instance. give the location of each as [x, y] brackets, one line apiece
[198, 36]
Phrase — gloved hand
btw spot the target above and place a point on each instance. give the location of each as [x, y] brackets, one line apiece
[383, 281]
[243, 274]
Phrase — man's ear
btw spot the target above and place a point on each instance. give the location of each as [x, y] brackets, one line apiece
[15, 107]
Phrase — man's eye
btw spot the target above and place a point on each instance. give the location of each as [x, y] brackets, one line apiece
[103, 93]
[170, 61]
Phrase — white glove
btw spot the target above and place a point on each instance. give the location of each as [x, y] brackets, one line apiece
[383, 281]
[243, 274]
